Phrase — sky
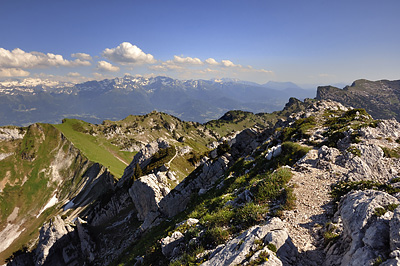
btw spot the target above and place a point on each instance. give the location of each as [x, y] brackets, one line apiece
[305, 42]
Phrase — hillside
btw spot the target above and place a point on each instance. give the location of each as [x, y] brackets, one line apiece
[40, 171]
[71, 160]
[380, 98]
[247, 201]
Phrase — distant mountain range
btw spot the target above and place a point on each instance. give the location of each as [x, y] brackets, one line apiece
[380, 98]
[34, 100]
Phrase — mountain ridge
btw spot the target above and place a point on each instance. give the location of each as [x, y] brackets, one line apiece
[380, 98]
[114, 99]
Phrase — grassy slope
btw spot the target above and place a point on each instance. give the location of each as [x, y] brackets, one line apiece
[97, 149]
[27, 182]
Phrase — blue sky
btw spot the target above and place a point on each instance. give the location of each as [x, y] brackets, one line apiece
[306, 42]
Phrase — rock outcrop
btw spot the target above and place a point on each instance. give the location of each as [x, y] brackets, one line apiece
[366, 235]
[142, 158]
[250, 244]
[147, 191]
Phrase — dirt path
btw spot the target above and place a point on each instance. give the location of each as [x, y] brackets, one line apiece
[169, 162]
[312, 212]
[116, 156]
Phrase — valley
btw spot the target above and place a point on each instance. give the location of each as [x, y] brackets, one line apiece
[315, 183]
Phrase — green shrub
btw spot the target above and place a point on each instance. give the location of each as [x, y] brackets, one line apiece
[215, 236]
[391, 153]
[160, 158]
[223, 148]
[249, 215]
[378, 261]
[391, 207]
[291, 153]
[272, 186]
[272, 247]
[343, 187]
[262, 257]
[395, 180]
[379, 211]
[329, 236]
[299, 129]
[220, 217]
[354, 151]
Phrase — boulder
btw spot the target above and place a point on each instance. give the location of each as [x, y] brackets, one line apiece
[170, 244]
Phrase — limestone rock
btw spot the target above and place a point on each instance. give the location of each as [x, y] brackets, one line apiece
[50, 233]
[142, 158]
[87, 244]
[365, 236]
[147, 191]
[11, 133]
[235, 251]
[170, 244]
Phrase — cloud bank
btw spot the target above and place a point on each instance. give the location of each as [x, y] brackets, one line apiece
[18, 58]
[125, 57]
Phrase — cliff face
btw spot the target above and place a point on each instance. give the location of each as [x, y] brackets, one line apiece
[318, 188]
[381, 98]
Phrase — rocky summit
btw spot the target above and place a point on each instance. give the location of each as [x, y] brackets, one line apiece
[319, 186]
[380, 98]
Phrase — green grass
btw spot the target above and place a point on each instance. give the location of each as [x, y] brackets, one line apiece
[340, 123]
[96, 149]
[299, 129]
[391, 153]
[343, 187]
[28, 181]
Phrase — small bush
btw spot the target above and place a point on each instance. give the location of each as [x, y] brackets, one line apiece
[329, 236]
[391, 153]
[272, 186]
[249, 215]
[272, 247]
[215, 236]
[220, 217]
[354, 151]
[395, 180]
[223, 148]
[379, 211]
[343, 187]
[378, 261]
[299, 129]
[391, 207]
[262, 257]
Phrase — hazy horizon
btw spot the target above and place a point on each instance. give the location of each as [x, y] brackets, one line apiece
[311, 42]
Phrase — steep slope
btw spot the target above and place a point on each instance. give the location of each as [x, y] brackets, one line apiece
[40, 171]
[380, 98]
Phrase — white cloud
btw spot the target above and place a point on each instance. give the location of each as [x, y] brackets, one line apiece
[126, 53]
[18, 58]
[187, 60]
[107, 67]
[73, 74]
[211, 61]
[82, 56]
[13, 72]
[228, 63]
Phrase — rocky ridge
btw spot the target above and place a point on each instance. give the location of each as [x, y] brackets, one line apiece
[348, 160]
